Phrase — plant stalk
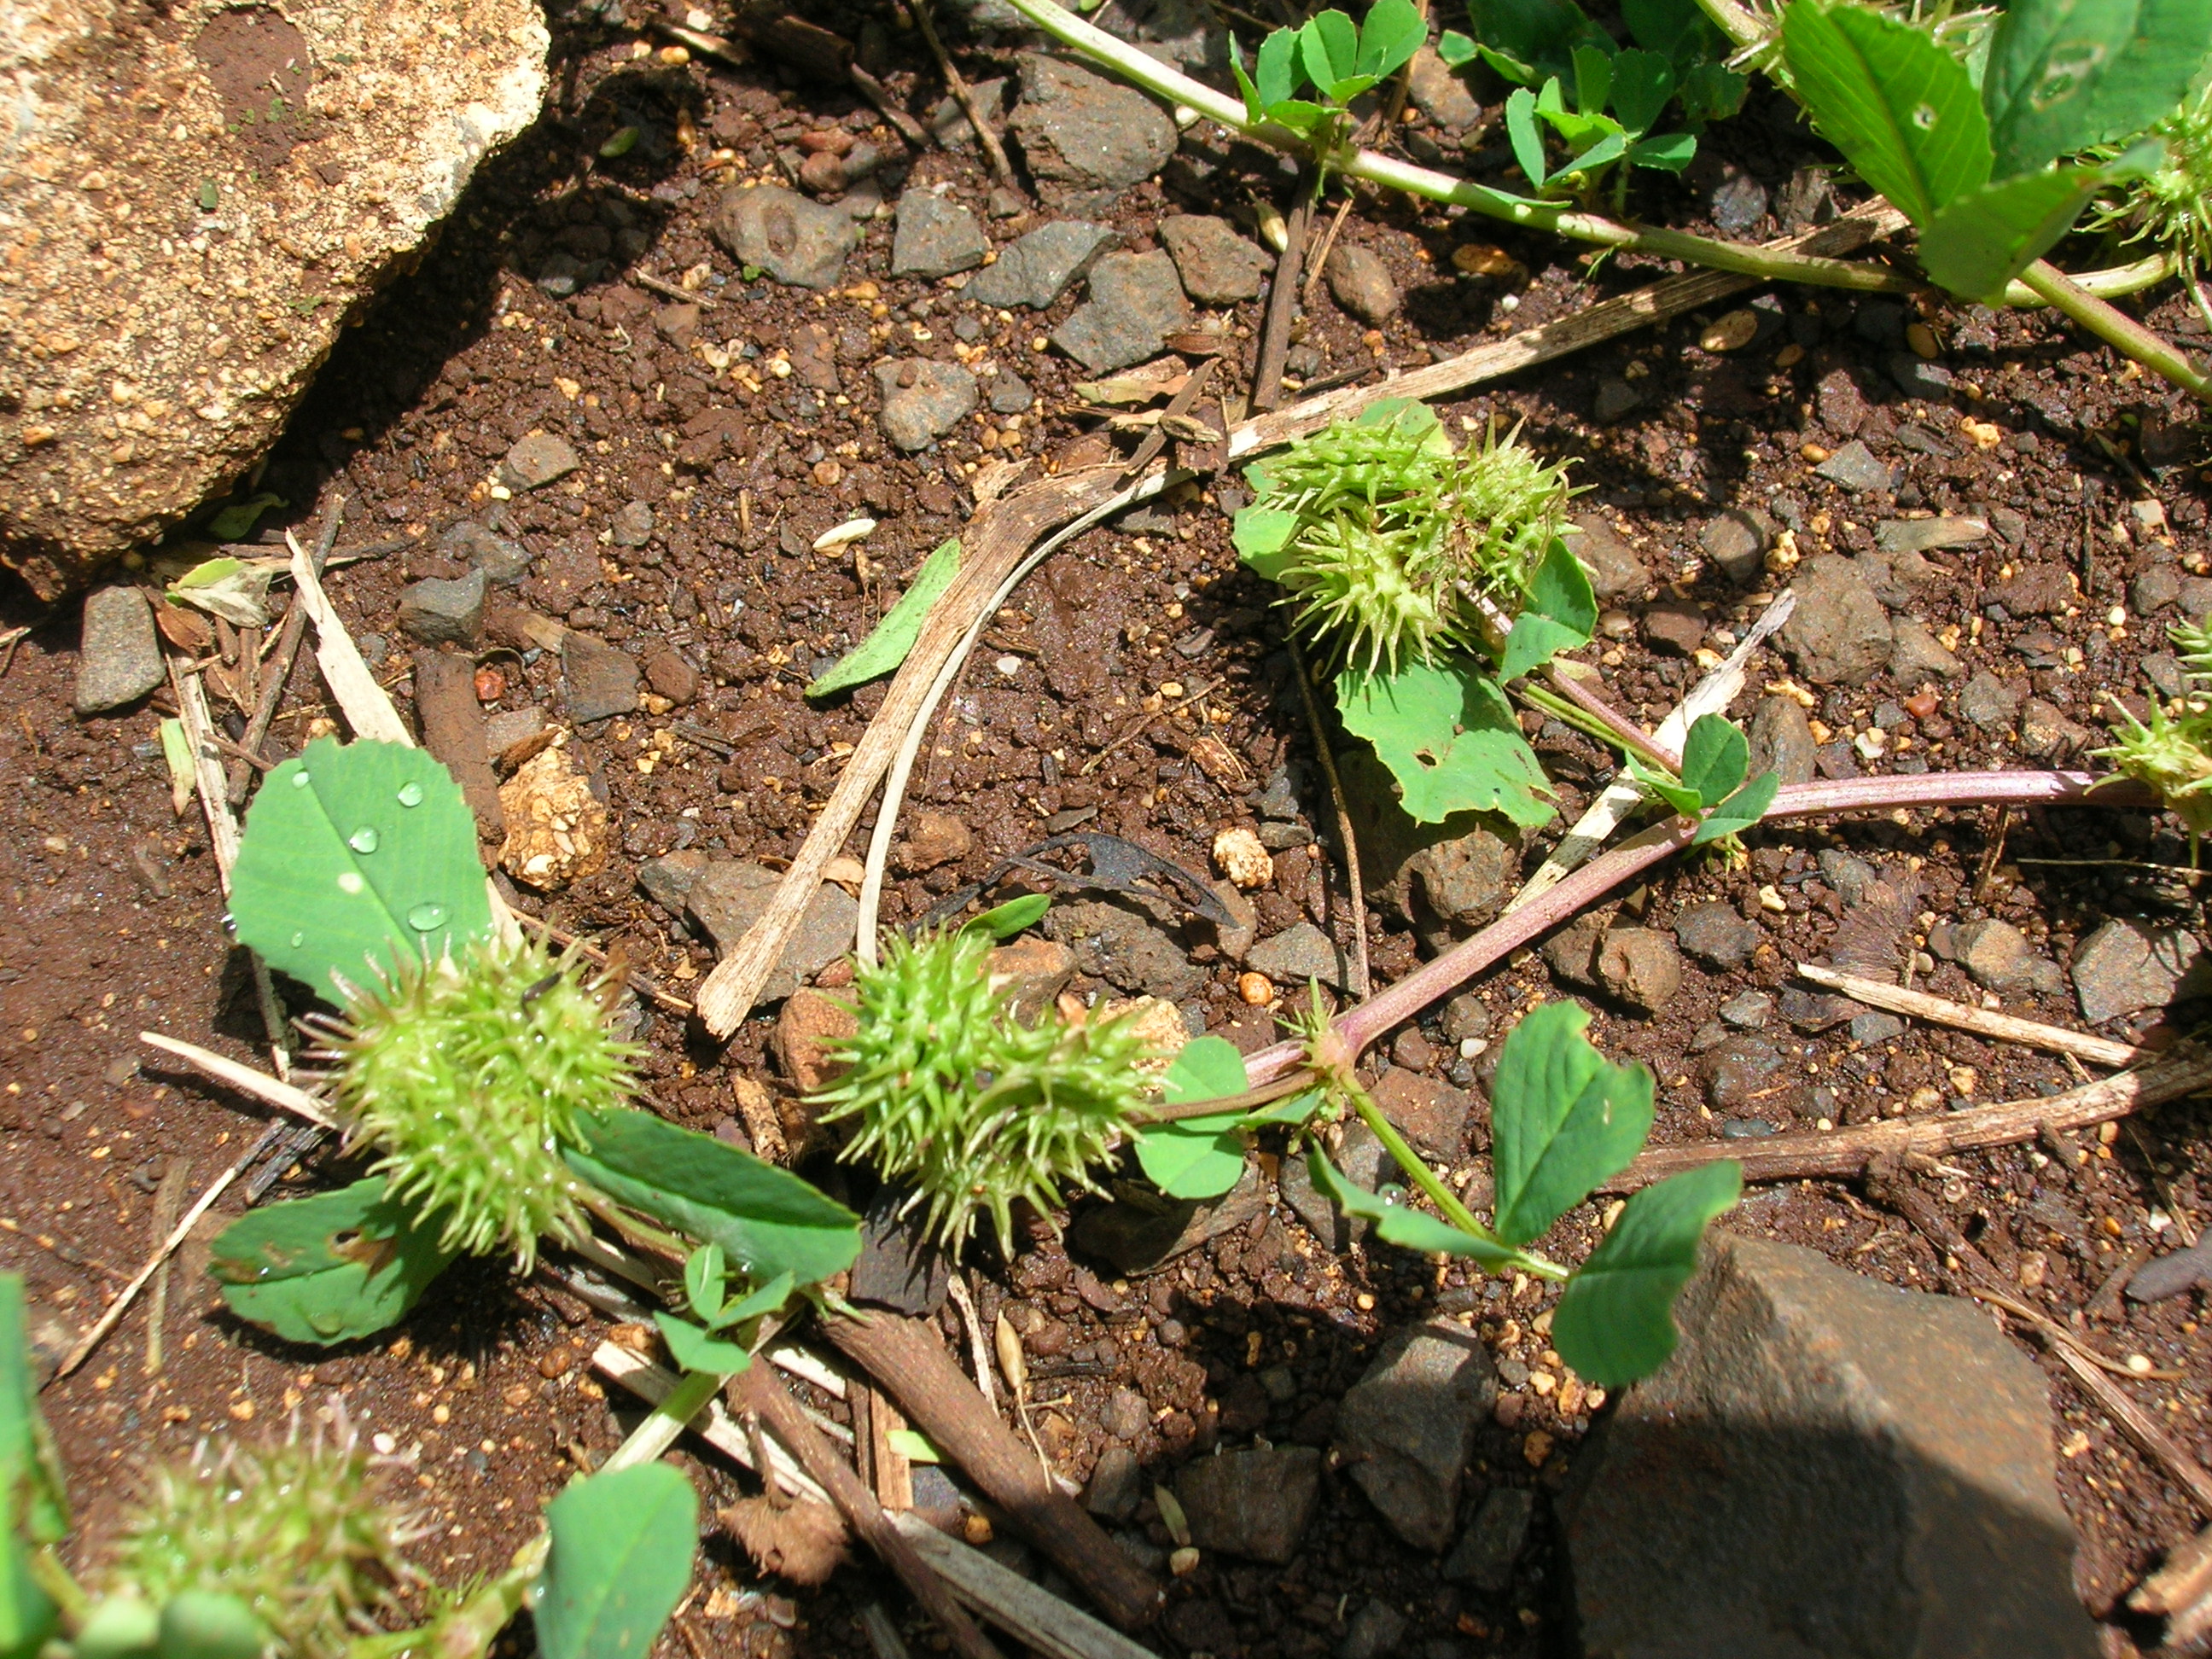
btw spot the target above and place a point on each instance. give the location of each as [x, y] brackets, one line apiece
[2117, 329]
[1411, 1162]
[666, 1420]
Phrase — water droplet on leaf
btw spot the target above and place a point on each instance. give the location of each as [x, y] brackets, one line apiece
[363, 840]
[426, 915]
[349, 881]
[410, 795]
[299, 779]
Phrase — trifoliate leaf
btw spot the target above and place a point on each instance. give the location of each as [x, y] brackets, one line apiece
[1559, 614]
[695, 1351]
[1448, 736]
[1740, 811]
[1714, 759]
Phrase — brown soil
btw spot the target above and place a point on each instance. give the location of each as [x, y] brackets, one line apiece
[114, 922]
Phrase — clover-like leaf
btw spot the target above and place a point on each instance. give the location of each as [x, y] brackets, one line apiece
[1520, 132]
[1714, 756]
[1392, 33]
[1198, 1156]
[330, 1268]
[1560, 613]
[622, 1544]
[1448, 736]
[1986, 236]
[1563, 1118]
[1275, 70]
[706, 1271]
[1016, 915]
[1615, 1323]
[1740, 811]
[695, 1350]
[1681, 796]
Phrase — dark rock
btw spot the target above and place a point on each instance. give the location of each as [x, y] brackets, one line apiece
[1037, 267]
[729, 894]
[1080, 132]
[433, 612]
[504, 563]
[1815, 1012]
[1572, 953]
[1748, 1010]
[1717, 935]
[1428, 1111]
[1825, 1467]
[2156, 588]
[2173, 1274]
[1446, 884]
[923, 400]
[1125, 1415]
[949, 124]
[1674, 627]
[935, 237]
[1854, 468]
[1875, 1026]
[1135, 302]
[899, 1266]
[2127, 966]
[797, 242]
[1494, 1541]
[667, 879]
[1838, 635]
[1998, 956]
[1116, 1484]
[1616, 571]
[1738, 1070]
[1640, 966]
[1253, 1503]
[1465, 1016]
[1301, 952]
[598, 681]
[1116, 943]
[2046, 734]
[1615, 399]
[1737, 542]
[1987, 701]
[1008, 393]
[933, 838]
[1361, 1159]
[1849, 874]
[537, 460]
[672, 676]
[1782, 740]
[1919, 655]
[1362, 283]
[118, 653]
[1439, 94]
[1841, 406]
[2038, 589]
[1375, 1630]
[1217, 267]
[1406, 1428]
[1738, 204]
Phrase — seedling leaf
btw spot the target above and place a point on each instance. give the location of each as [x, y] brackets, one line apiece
[1740, 811]
[235, 522]
[1670, 152]
[330, 1268]
[1902, 110]
[1004, 921]
[1536, 37]
[1681, 796]
[887, 643]
[1394, 1223]
[619, 1559]
[1675, 28]
[355, 858]
[1593, 79]
[1559, 614]
[1198, 1156]
[1448, 736]
[1391, 34]
[1642, 81]
[1563, 1119]
[230, 588]
[705, 1273]
[766, 1220]
[1275, 72]
[1988, 235]
[1521, 132]
[1456, 50]
[1616, 1322]
[30, 1478]
[1328, 46]
[694, 1350]
[2063, 75]
[1714, 756]
[1709, 93]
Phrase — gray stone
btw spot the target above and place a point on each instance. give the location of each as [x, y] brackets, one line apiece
[1616, 396]
[1855, 469]
[2156, 588]
[1572, 953]
[1494, 1541]
[1640, 966]
[1999, 957]
[1008, 393]
[1406, 1428]
[1080, 132]
[1361, 1158]
[1919, 655]
[1674, 627]
[1449, 888]
[2126, 967]
[1116, 1484]
[1428, 1111]
[1825, 1467]
[119, 653]
[598, 681]
[1035, 269]
[1748, 1010]
[935, 237]
[1917, 378]
[1739, 202]
[1125, 1415]
[1465, 1016]
[535, 460]
[1987, 701]
[800, 243]
[1782, 740]
[1363, 284]
[1253, 1503]
[923, 400]
[1926, 535]
[949, 124]
[1616, 571]
[1136, 301]
[2047, 734]
[1301, 952]
[435, 612]
[1120, 944]
[504, 563]
[1717, 935]
[1838, 635]
[1375, 1630]
[1217, 267]
[667, 879]
[1874, 1026]
[1848, 873]
[1736, 1072]
[1737, 542]
[633, 525]
[505, 727]
[1440, 95]
[729, 895]
[2164, 672]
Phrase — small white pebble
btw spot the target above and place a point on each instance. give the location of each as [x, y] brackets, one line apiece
[2139, 1364]
[1470, 1048]
[385, 1444]
[843, 535]
[1238, 855]
[1008, 665]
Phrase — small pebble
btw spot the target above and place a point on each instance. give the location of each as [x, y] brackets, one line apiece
[557, 1362]
[1731, 332]
[1257, 989]
[1239, 855]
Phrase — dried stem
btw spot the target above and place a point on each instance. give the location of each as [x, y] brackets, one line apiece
[1347, 842]
[963, 95]
[1283, 299]
[1918, 1004]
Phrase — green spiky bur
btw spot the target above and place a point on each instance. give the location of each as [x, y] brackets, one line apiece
[957, 1098]
[2171, 204]
[2174, 753]
[1400, 539]
[294, 1532]
[467, 1075]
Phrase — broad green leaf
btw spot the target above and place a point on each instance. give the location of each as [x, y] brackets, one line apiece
[1681, 796]
[1298, 115]
[1616, 1322]
[1456, 50]
[1255, 106]
[695, 1350]
[199, 1624]
[1714, 756]
[2063, 75]
[620, 1560]
[1709, 93]
[1394, 1223]
[1392, 33]
[1004, 921]
[1642, 81]
[766, 1219]
[1740, 811]
[1344, 91]
[1275, 70]
[1538, 34]
[1901, 108]
[887, 643]
[1987, 236]
[1670, 152]
[1328, 46]
[1198, 1156]
[1560, 613]
[1448, 736]
[330, 1268]
[355, 858]
[706, 1275]
[1593, 79]
[28, 1614]
[1675, 28]
[1563, 1118]
[1521, 132]
[30, 1476]
[235, 522]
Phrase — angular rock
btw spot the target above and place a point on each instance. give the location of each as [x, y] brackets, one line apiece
[504, 563]
[1486, 1552]
[1855, 469]
[729, 894]
[1616, 571]
[535, 460]
[923, 400]
[1363, 284]
[118, 655]
[557, 828]
[1998, 956]
[1360, 1158]
[935, 237]
[1735, 1071]
[1919, 655]
[1748, 1010]
[1428, 1111]
[1572, 953]
[2047, 734]
[1825, 1467]
[1838, 635]
[672, 676]
[1217, 267]
[934, 838]
[433, 612]
[1081, 133]
[1675, 628]
[1717, 935]
[1028, 974]
[1782, 740]
[222, 162]
[1253, 1503]
[667, 879]
[1439, 94]
[807, 1023]
[1116, 1484]
[1136, 301]
[1640, 966]
[2036, 589]
[1376, 1630]
[1301, 952]
[596, 680]
[2127, 966]
[1406, 1428]
[1737, 542]
[1008, 393]
[1927, 535]
[633, 525]
[797, 242]
[1987, 701]
[1119, 943]
[899, 1267]
[1037, 267]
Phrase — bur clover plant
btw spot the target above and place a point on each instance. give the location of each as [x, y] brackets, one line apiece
[2172, 752]
[1335, 60]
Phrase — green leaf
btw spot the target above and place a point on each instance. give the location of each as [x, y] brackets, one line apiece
[1668, 153]
[1563, 1118]
[1642, 81]
[1559, 614]
[235, 522]
[1901, 108]
[205, 1625]
[1740, 811]
[177, 756]
[620, 1560]
[1681, 796]
[1392, 33]
[768, 1220]
[1455, 49]
[1675, 28]
[1616, 1322]
[30, 1476]
[695, 1351]
[28, 1614]
[1987, 236]
[1016, 915]
[1255, 106]
[1394, 1223]
[1448, 736]
[124, 1625]
[1604, 153]
[1298, 116]
[1538, 34]
[887, 645]
[1714, 756]
[764, 1300]
[915, 1446]
[706, 1275]
[2064, 74]
[619, 144]
[1709, 93]
[355, 858]
[1198, 1156]
[230, 588]
[1593, 79]
[330, 1268]
[1275, 71]
[1293, 1109]
[1521, 132]
[1328, 46]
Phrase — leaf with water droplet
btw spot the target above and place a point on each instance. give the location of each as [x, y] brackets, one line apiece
[330, 1268]
[333, 873]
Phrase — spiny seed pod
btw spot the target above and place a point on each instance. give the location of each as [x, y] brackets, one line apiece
[2171, 204]
[468, 1075]
[1400, 539]
[293, 1531]
[2173, 754]
[962, 1101]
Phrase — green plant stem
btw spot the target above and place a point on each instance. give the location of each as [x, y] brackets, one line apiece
[469, 1630]
[1739, 23]
[2117, 329]
[666, 1420]
[636, 1229]
[1593, 723]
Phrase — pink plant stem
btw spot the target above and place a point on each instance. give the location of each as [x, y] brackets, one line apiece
[1359, 1026]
